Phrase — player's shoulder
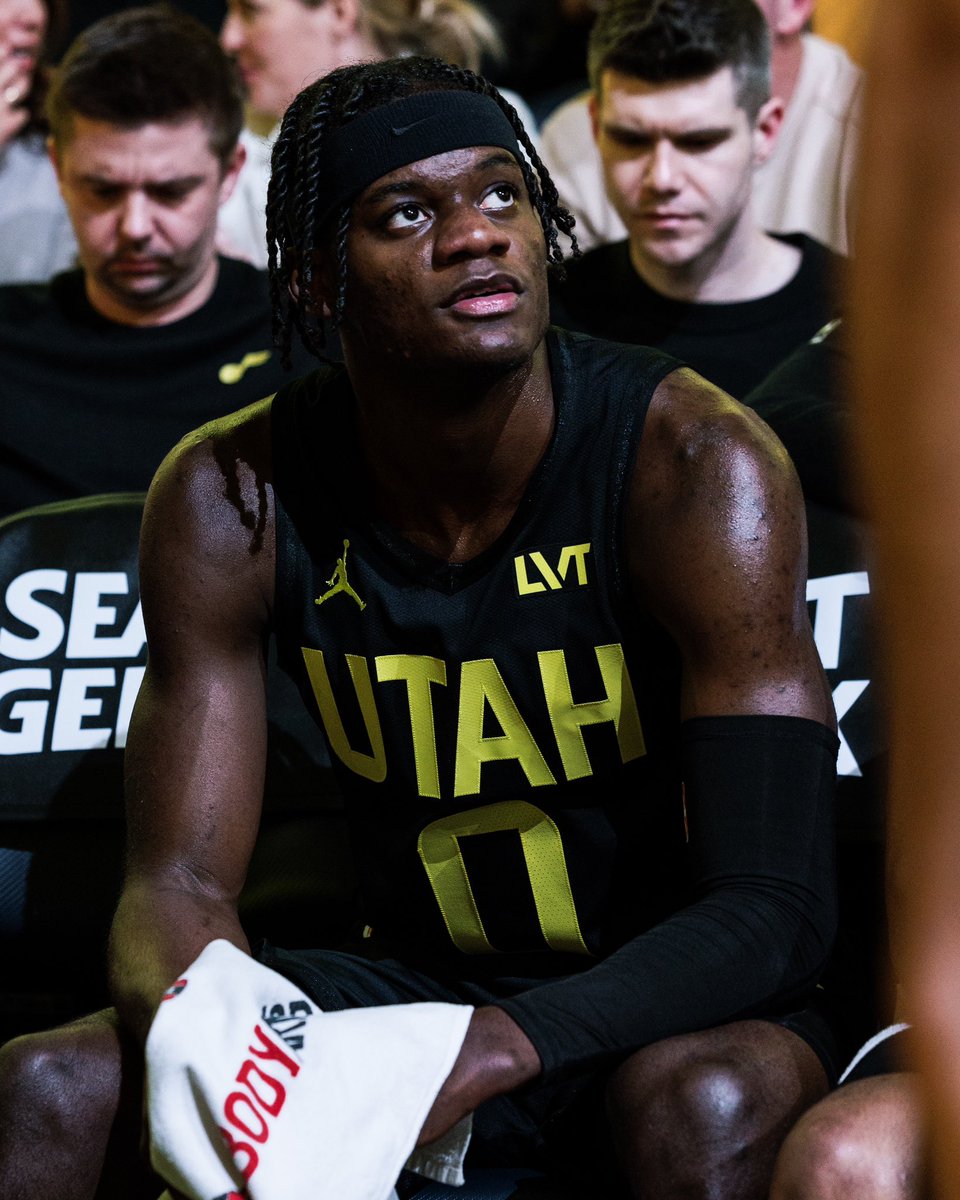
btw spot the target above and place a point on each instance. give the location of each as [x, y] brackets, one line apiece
[244, 434]
[698, 440]
[213, 490]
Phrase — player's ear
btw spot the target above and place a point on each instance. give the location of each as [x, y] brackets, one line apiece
[765, 129]
[322, 297]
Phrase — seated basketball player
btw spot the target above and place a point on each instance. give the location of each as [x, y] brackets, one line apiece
[545, 596]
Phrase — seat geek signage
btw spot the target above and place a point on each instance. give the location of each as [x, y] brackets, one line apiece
[838, 599]
[71, 675]
[72, 654]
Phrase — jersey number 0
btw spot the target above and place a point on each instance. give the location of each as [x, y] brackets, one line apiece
[439, 846]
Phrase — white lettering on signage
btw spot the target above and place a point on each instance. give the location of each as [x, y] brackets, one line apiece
[828, 593]
[63, 707]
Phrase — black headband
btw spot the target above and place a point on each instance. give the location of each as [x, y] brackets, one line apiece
[405, 131]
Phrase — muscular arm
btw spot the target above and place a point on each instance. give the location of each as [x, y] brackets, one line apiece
[196, 749]
[715, 543]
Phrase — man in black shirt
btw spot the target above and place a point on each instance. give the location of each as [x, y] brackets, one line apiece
[683, 115]
[108, 366]
[544, 596]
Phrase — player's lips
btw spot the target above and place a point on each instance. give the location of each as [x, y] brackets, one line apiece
[483, 296]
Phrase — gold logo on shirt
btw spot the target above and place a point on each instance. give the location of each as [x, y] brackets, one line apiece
[535, 574]
[338, 581]
[234, 372]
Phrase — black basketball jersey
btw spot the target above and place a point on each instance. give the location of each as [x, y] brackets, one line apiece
[505, 730]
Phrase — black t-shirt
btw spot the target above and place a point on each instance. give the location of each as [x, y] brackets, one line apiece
[89, 405]
[804, 400]
[733, 345]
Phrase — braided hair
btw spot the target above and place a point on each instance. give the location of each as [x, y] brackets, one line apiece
[295, 197]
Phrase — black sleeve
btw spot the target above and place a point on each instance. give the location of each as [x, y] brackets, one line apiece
[759, 794]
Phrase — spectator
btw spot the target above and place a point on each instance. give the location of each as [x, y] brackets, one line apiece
[281, 45]
[683, 115]
[805, 184]
[36, 240]
[107, 366]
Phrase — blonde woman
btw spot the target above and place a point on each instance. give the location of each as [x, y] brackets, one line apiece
[282, 45]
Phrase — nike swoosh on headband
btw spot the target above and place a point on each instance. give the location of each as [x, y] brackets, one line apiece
[400, 130]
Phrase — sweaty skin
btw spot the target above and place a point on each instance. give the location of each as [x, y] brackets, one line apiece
[715, 544]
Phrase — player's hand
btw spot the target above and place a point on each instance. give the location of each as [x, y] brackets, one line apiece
[496, 1057]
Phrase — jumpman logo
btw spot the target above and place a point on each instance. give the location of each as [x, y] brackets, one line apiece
[338, 580]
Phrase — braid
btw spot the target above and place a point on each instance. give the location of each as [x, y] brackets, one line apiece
[280, 232]
[296, 187]
[342, 227]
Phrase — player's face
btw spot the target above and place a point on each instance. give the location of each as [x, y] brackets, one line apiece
[280, 46]
[678, 162]
[446, 264]
[143, 203]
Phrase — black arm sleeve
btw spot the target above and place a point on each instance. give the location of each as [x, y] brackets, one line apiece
[759, 793]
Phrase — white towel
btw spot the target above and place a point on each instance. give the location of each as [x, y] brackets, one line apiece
[252, 1090]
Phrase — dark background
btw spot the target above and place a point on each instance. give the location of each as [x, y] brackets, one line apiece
[547, 50]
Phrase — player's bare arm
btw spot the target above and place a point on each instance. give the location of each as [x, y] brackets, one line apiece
[196, 750]
[716, 546]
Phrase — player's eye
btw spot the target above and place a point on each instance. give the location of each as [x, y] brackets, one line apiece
[503, 196]
[405, 216]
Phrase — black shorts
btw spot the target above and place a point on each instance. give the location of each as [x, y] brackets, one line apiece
[529, 1127]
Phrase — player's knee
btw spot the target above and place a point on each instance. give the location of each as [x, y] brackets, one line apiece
[832, 1155]
[35, 1083]
[709, 1099]
[58, 1082]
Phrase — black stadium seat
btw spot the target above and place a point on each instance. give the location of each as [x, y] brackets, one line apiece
[838, 592]
[72, 655]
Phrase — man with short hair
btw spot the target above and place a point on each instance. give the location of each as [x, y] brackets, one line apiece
[106, 367]
[544, 596]
[683, 117]
[806, 183]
